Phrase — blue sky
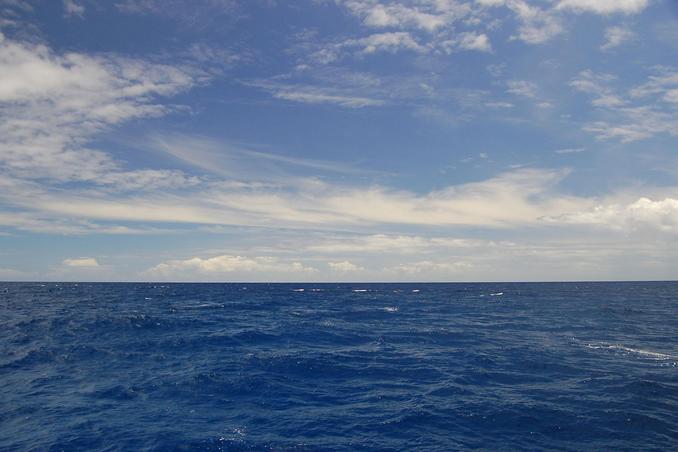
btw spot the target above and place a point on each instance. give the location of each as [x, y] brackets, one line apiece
[338, 140]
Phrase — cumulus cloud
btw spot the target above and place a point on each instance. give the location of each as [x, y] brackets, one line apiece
[81, 262]
[660, 215]
[224, 265]
[344, 267]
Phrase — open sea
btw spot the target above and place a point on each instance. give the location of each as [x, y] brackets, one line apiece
[500, 366]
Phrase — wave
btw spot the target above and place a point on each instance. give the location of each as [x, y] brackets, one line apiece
[634, 351]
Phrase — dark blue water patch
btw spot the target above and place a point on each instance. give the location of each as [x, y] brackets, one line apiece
[560, 366]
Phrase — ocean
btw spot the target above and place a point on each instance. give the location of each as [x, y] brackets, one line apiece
[500, 366]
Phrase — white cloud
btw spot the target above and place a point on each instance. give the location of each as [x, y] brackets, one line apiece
[72, 8]
[63, 225]
[430, 268]
[615, 36]
[499, 105]
[316, 96]
[475, 41]
[514, 198]
[344, 267]
[52, 104]
[434, 18]
[660, 215]
[391, 42]
[388, 42]
[607, 101]
[224, 265]
[644, 112]
[333, 95]
[663, 85]
[437, 17]
[569, 150]
[522, 88]
[147, 180]
[536, 25]
[467, 41]
[428, 16]
[491, 2]
[393, 244]
[604, 6]
[83, 262]
[589, 82]
[233, 161]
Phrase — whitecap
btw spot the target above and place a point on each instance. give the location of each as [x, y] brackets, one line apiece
[201, 306]
[297, 290]
[497, 294]
[359, 290]
[416, 290]
[391, 309]
[636, 351]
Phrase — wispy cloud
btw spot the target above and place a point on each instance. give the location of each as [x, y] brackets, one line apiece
[569, 150]
[72, 8]
[522, 88]
[616, 36]
[604, 6]
[642, 112]
[343, 97]
[537, 26]
[249, 166]
[515, 198]
[316, 96]
[427, 16]
[449, 269]
[81, 262]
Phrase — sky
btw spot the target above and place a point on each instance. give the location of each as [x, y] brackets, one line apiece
[338, 140]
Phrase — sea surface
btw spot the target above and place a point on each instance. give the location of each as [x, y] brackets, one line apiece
[548, 366]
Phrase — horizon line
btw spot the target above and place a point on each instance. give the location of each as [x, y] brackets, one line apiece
[351, 282]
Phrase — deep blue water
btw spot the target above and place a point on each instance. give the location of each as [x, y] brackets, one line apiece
[562, 366]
